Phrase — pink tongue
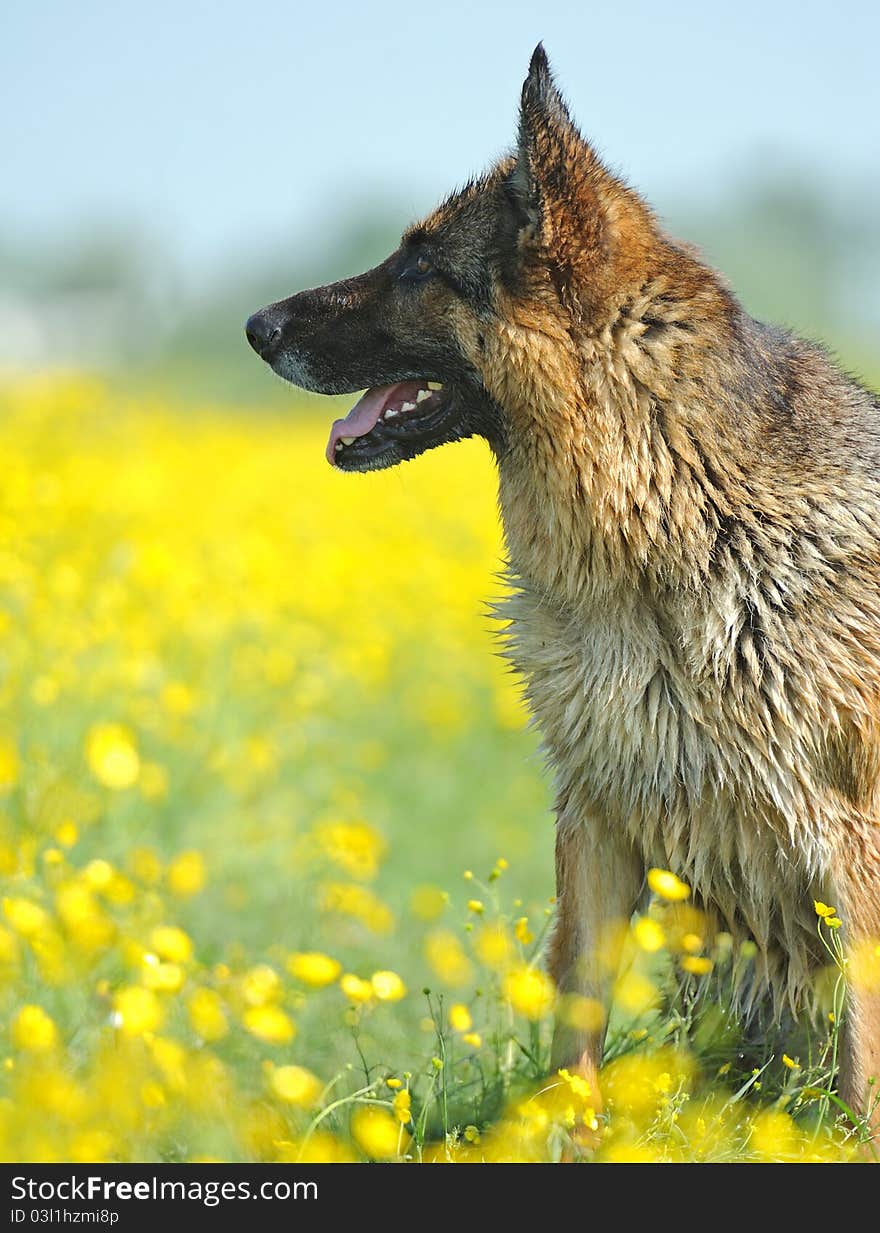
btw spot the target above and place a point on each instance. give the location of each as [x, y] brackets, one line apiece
[364, 415]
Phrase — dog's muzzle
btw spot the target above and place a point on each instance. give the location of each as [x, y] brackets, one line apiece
[264, 333]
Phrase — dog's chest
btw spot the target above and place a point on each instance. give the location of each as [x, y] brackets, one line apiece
[611, 700]
[639, 732]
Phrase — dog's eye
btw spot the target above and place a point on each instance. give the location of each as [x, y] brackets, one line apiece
[420, 268]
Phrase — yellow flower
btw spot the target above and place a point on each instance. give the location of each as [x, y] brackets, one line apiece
[823, 910]
[186, 874]
[476, 906]
[635, 993]
[649, 935]
[579, 1085]
[790, 1062]
[667, 885]
[98, 874]
[25, 917]
[355, 989]
[295, 1085]
[587, 1014]
[446, 956]
[522, 931]
[564, 1102]
[460, 1018]
[663, 1083]
[171, 943]
[163, 977]
[387, 986]
[313, 968]
[269, 1023]
[67, 834]
[474, 1039]
[92, 1147]
[112, 755]
[136, 1011]
[178, 698]
[774, 1135]
[33, 1030]
[206, 1015]
[428, 902]
[260, 985]
[319, 1148]
[529, 991]
[10, 859]
[9, 948]
[9, 765]
[170, 1057]
[354, 846]
[637, 1082]
[697, 965]
[401, 1106]
[357, 902]
[394, 1084]
[833, 922]
[375, 1132]
[119, 890]
[495, 947]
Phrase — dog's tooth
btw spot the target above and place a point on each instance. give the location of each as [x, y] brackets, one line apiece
[338, 446]
[434, 385]
[422, 395]
[390, 413]
[408, 406]
[347, 440]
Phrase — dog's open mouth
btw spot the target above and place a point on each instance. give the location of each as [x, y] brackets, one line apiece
[389, 424]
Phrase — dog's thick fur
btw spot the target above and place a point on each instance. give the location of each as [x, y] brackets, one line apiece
[691, 508]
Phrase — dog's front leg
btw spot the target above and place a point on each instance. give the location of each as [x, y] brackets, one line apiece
[857, 895]
[598, 881]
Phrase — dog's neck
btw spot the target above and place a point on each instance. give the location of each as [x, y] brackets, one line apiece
[621, 471]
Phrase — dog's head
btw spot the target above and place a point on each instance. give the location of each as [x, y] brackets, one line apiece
[478, 301]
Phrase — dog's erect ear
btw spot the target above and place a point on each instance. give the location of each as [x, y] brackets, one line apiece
[564, 208]
[552, 159]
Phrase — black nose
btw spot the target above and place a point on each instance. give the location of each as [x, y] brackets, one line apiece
[263, 333]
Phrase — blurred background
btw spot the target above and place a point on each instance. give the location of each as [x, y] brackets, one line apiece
[168, 169]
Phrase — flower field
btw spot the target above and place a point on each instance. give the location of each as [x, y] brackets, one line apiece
[253, 741]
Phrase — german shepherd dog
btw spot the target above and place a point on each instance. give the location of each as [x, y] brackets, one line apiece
[691, 510]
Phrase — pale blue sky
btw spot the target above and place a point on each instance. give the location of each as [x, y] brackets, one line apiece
[220, 125]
